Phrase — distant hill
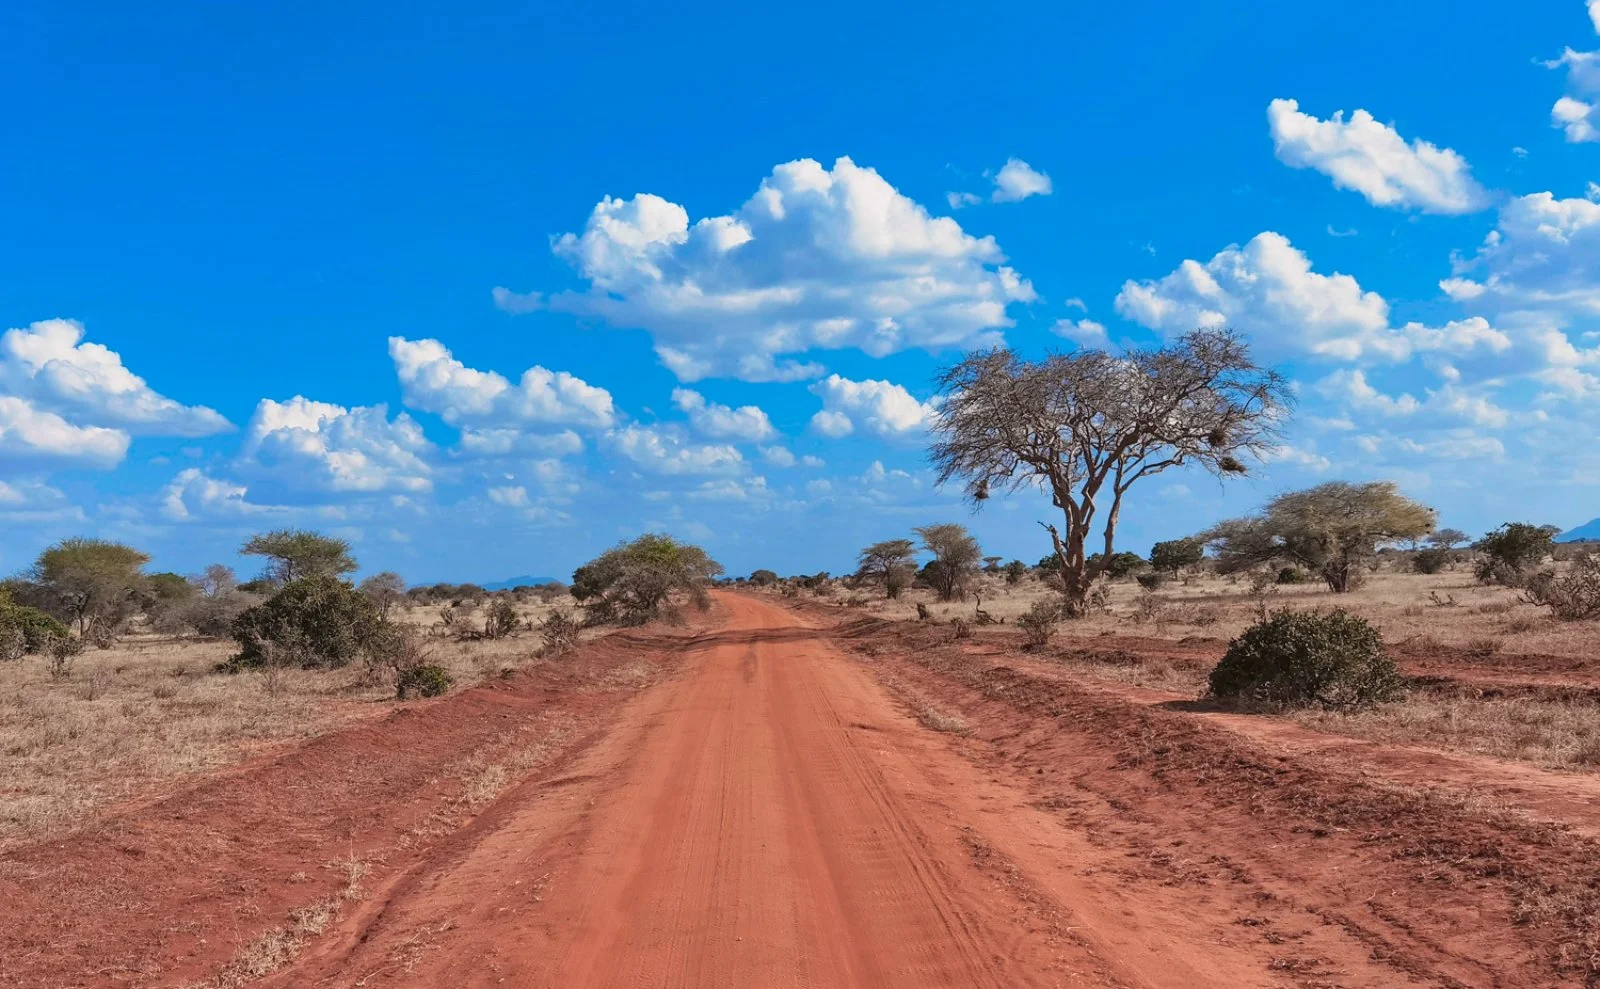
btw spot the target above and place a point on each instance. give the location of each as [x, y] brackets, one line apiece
[524, 581]
[1588, 532]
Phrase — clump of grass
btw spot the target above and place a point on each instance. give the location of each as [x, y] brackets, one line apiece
[937, 720]
[1557, 733]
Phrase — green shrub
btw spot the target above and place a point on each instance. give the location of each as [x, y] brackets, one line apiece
[1431, 560]
[314, 623]
[1572, 596]
[430, 680]
[1300, 659]
[559, 630]
[1511, 552]
[1151, 581]
[26, 630]
[1292, 575]
[500, 620]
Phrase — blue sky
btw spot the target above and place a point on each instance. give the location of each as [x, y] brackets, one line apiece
[486, 290]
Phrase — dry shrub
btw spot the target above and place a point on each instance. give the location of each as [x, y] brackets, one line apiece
[1039, 623]
[500, 620]
[1571, 596]
[559, 631]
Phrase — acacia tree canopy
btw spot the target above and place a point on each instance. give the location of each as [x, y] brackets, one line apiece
[1330, 529]
[891, 563]
[633, 583]
[298, 553]
[87, 579]
[1086, 426]
[955, 558]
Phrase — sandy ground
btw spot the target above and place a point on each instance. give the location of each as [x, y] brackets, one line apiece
[772, 799]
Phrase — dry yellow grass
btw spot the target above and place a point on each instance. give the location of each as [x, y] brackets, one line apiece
[1448, 608]
[151, 709]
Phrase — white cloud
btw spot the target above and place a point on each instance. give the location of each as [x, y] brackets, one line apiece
[1350, 390]
[1578, 113]
[29, 434]
[512, 496]
[1017, 180]
[1083, 332]
[732, 489]
[782, 456]
[881, 407]
[194, 494]
[816, 259]
[747, 423]
[318, 446]
[1267, 289]
[49, 364]
[957, 200]
[1373, 159]
[434, 381]
[663, 450]
[834, 425]
[1543, 255]
[512, 442]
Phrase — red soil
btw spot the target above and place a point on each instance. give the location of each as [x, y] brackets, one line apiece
[777, 816]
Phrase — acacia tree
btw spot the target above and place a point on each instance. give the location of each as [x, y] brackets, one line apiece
[1175, 554]
[633, 583]
[955, 558]
[891, 563]
[1086, 426]
[89, 580]
[385, 589]
[1331, 529]
[300, 553]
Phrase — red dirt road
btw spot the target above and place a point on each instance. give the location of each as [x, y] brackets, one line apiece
[767, 820]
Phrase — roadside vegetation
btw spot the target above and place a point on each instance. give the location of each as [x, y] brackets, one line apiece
[113, 678]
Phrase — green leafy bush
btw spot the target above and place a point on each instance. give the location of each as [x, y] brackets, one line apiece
[1151, 581]
[1302, 659]
[1571, 596]
[1511, 552]
[1431, 560]
[316, 623]
[430, 680]
[25, 630]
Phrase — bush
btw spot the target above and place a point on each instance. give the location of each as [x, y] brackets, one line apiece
[1299, 659]
[1431, 560]
[1512, 551]
[1151, 581]
[1291, 575]
[500, 620]
[1572, 596]
[25, 630]
[429, 680]
[559, 631]
[315, 623]
[1039, 623]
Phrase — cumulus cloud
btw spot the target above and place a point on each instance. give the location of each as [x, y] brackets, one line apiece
[50, 364]
[1577, 114]
[319, 446]
[1268, 290]
[664, 450]
[880, 407]
[816, 259]
[29, 434]
[1083, 332]
[1017, 180]
[720, 422]
[434, 381]
[194, 494]
[1351, 390]
[1543, 255]
[1373, 159]
[1013, 182]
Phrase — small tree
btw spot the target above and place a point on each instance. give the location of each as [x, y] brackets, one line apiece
[1174, 555]
[385, 589]
[1087, 426]
[215, 581]
[634, 582]
[1447, 539]
[297, 553]
[1331, 529]
[1119, 565]
[891, 563]
[90, 581]
[1513, 551]
[764, 578]
[1015, 571]
[955, 558]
